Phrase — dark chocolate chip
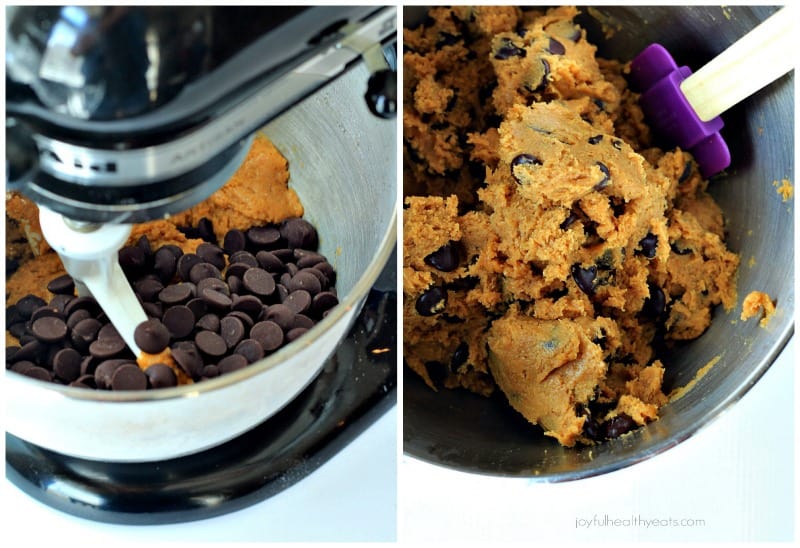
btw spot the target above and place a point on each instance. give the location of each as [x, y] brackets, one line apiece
[619, 425]
[27, 304]
[153, 310]
[655, 305]
[322, 302]
[301, 320]
[205, 229]
[89, 365]
[243, 257]
[76, 317]
[84, 332]
[648, 245]
[270, 262]
[259, 282]
[246, 319]
[285, 255]
[179, 321]
[210, 343]
[304, 280]
[555, 47]
[235, 285]
[62, 285]
[105, 371]
[232, 331]
[298, 301]
[522, 160]
[432, 301]
[21, 366]
[60, 302]
[248, 304]
[214, 284]
[209, 322]
[209, 371]
[212, 254]
[165, 264]
[47, 310]
[215, 299]
[202, 271]
[188, 358]
[107, 348]
[596, 139]
[160, 375]
[460, 356]
[566, 223]
[49, 329]
[445, 39]
[186, 263]
[128, 377]
[132, 260]
[108, 332]
[151, 336]
[617, 144]
[678, 249]
[268, 334]
[231, 363]
[687, 172]
[198, 307]
[148, 289]
[234, 241]
[19, 329]
[281, 314]
[237, 270]
[306, 259]
[82, 303]
[299, 233]
[508, 49]
[176, 294]
[67, 364]
[446, 258]
[250, 349]
[36, 372]
[585, 278]
[606, 180]
[84, 381]
[295, 333]
[263, 236]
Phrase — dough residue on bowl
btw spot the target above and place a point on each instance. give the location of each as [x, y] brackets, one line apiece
[549, 249]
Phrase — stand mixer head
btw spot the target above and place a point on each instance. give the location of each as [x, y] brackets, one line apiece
[124, 115]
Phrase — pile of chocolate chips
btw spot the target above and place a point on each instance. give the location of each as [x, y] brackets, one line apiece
[218, 310]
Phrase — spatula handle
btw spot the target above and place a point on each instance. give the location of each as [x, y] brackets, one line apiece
[757, 59]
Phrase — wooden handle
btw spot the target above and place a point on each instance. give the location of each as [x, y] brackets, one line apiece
[759, 58]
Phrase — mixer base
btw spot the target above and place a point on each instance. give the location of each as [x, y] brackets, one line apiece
[356, 386]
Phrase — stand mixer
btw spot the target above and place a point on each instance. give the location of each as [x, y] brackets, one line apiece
[121, 115]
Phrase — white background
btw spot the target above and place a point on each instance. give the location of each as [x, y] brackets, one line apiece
[736, 474]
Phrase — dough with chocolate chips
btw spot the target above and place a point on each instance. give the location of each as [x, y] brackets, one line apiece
[548, 248]
[257, 194]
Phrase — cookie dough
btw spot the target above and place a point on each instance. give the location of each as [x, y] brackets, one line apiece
[549, 249]
[758, 303]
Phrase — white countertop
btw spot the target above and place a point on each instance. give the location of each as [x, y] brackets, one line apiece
[329, 504]
[735, 479]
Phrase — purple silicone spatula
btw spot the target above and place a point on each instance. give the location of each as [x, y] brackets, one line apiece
[685, 107]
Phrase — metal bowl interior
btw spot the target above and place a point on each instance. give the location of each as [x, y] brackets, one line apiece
[462, 431]
[342, 164]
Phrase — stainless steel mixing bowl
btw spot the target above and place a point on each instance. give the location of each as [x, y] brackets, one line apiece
[342, 163]
[469, 433]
